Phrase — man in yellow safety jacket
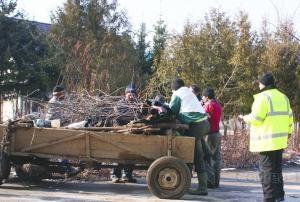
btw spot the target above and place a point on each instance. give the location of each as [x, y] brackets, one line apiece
[271, 121]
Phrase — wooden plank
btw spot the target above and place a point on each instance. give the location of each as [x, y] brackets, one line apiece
[123, 146]
[154, 146]
[74, 148]
[84, 158]
[47, 144]
[135, 127]
[183, 148]
[24, 136]
[111, 145]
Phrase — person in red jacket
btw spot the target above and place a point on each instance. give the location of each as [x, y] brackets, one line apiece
[214, 111]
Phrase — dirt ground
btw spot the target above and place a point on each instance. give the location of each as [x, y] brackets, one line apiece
[236, 185]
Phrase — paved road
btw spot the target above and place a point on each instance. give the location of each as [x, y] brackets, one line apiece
[235, 186]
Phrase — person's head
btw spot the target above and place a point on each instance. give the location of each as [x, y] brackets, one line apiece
[176, 84]
[130, 92]
[196, 90]
[208, 94]
[266, 80]
[159, 100]
[59, 92]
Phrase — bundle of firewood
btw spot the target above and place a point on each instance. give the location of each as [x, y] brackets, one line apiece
[140, 127]
[83, 106]
[102, 111]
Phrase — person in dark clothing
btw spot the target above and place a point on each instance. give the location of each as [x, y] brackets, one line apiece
[196, 90]
[189, 111]
[54, 110]
[214, 111]
[128, 110]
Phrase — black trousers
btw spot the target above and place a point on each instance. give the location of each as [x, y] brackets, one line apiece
[127, 171]
[271, 175]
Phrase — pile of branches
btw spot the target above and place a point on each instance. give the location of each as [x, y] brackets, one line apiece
[143, 127]
[235, 151]
[103, 108]
[82, 106]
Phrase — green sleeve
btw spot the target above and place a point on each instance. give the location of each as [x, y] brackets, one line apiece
[175, 104]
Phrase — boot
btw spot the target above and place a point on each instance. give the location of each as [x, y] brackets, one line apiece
[211, 178]
[217, 179]
[202, 185]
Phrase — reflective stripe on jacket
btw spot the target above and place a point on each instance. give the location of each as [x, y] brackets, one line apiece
[271, 121]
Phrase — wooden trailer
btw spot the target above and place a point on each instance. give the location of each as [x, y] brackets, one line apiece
[166, 157]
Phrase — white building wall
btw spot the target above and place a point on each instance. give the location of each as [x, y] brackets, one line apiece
[8, 109]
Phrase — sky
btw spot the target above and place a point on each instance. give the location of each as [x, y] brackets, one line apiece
[176, 12]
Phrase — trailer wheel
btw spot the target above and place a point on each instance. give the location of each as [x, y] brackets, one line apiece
[31, 172]
[4, 167]
[168, 178]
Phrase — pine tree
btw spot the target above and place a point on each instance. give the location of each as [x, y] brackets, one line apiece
[159, 42]
[94, 40]
[23, 52]
[244, 61]
[144, 56]
[281, 57]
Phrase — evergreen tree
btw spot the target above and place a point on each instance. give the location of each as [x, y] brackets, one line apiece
[244, 61]
[200, 55]
[95, 45]
[281, 56]
[144, 55]
[226, 55]
[23, 51]
[159, 42]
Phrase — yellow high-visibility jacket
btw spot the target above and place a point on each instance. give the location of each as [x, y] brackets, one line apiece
[271, 121]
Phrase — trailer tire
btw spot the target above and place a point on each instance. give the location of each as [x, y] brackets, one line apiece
[168, 178]
[34, 173]
[4, 167]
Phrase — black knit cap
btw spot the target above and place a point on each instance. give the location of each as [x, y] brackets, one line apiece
[195, 89]
[57, 89]
[160, 98]
[267, 79]
[131, 88]
[209, 92]
[177, 83]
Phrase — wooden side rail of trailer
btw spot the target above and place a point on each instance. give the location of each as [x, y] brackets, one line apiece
[166, 156]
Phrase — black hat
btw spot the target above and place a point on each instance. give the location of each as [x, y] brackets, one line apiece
[160, 98]
[209, 92]
[131, 88]
[177, 83]
[267, 79]
[58, 89]
[195, 89]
